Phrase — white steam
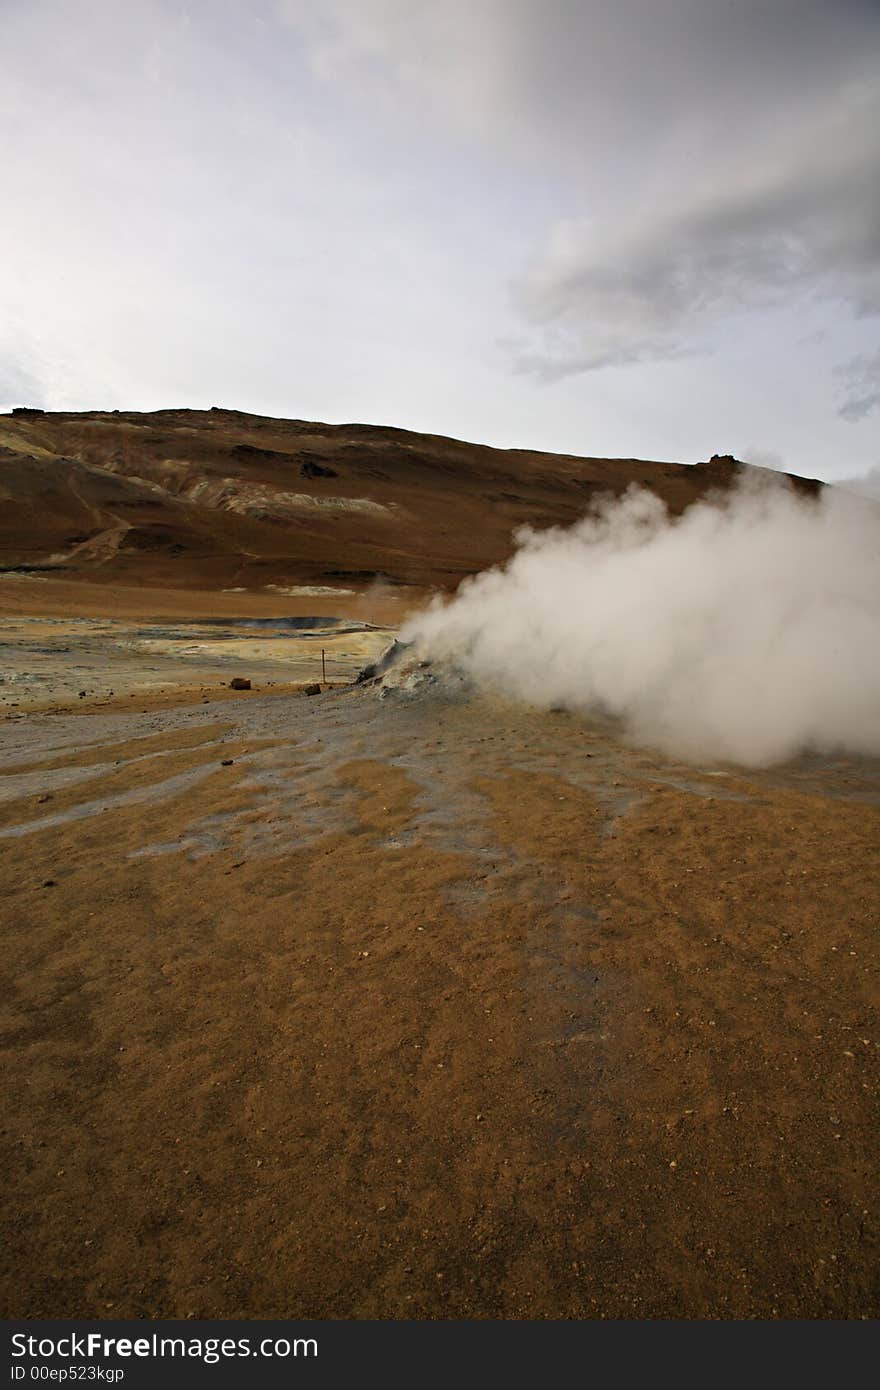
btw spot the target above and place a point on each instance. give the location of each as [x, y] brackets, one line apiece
[747, 629]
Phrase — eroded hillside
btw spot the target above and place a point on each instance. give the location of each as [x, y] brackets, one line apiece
[219, 499]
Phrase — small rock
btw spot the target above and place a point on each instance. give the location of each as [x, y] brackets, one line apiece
[239, 683]
[227, 762]
[47, 796]
[312, 689]
[49, 883]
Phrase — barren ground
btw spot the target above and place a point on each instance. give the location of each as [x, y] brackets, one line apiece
[431, 1007]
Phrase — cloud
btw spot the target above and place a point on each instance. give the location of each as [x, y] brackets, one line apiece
[860, 386]
[455, 62]
[18, 385]
[745, 630]
[781, 218]
[713, 157]
[628, 289]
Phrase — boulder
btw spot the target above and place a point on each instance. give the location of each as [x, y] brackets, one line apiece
[389, 657]
[310, 469]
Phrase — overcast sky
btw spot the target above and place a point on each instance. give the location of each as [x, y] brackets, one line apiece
[608, 227]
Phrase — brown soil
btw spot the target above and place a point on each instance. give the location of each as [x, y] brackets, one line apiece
[150, 701]
[431, 1008]
[47, 596]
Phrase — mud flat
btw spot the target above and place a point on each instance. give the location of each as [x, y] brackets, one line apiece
[429, 1006]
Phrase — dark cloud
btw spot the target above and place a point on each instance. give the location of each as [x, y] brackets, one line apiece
[797, 223]
[706, 156]
[759, 193]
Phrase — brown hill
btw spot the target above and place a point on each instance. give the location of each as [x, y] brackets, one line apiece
[219, 499]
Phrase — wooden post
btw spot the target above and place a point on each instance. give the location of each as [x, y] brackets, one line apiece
[323, 668]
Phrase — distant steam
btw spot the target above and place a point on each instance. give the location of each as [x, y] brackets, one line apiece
[747, 629]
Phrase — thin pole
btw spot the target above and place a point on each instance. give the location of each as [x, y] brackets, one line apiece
[323, 668]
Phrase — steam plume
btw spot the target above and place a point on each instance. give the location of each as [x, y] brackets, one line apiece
[747, 629]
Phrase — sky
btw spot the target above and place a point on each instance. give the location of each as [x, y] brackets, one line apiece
[647, 228]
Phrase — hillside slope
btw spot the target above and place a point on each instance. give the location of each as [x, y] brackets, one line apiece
[220, 499]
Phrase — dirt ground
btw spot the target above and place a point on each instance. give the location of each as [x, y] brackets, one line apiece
[431, 1007]
[68, 599]
[57, 664]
